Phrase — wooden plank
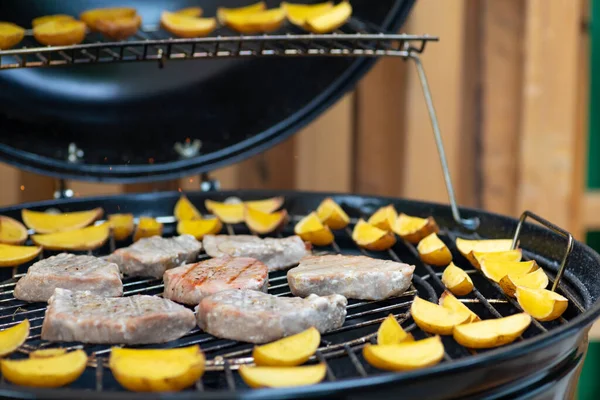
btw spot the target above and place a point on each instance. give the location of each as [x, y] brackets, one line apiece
[549, 143]
[590, 210]
[11, 185]
[36, 187]
[273, 169]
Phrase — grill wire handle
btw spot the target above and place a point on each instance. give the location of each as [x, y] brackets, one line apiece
[468, 223]
[555, 229]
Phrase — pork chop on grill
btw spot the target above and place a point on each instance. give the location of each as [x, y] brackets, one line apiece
[154, 255]
[274, 252]
[256, 317]
[188, 284]
[68, 271]
[88, 318]
[355, 277]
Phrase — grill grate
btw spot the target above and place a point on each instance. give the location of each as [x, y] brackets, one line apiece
[340, 349]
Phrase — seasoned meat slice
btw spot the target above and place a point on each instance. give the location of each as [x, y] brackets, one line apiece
[68, 271]
[275, 253]
[154, 255]
[355, 277]
[85, 317]
[188, 284]
[257, 317]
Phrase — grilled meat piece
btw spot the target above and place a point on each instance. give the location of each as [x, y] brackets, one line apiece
[68, 271]
[257, 317]
[275, 253]
[355, 277]
[188, 284]
[154, 255]
[88, 318]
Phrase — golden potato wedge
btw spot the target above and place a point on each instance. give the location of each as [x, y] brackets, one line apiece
[384, 218]
[257, 377]
[257, 22]
[312, 230]
[13, 255]
[533, 280]
[266, 205]
[48, 372]
[12, 338]
[414, 229]
[491, 332]
[447, 300]
[290, 351]
[263, 223]
[297, 14]
[89, 238]
[229, 213]
[332, 215]
[47, 353]
[433, 251]
[390, 332]
[157, 370]
[119, 28]
[51, 18]
[122, 225]
[91, 17]
[329, 20]
[43, 222]
[60, 33]
[191, 11]
[184, 209]
[508, 255]
[434, 318]
[10, 35]
[185, 26]
[541, 304]
[467, 247]
[496, 270]
[223, 13]
[199, 228]
[457, 280]
[147, 227]
[372, 238]
[12, 231]
[405, 356]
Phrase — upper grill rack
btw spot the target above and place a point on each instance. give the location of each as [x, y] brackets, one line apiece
[337, 347]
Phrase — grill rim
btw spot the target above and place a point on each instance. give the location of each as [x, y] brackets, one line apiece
[505, 354]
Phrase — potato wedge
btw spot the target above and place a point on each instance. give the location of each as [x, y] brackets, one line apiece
[533, 280]
[122, 225]
[541, 304]
[372, 238]
[257, 377]
[91, 17]
[12, 255]
[191, 11]
[332, 215]
[147, 227]
[434, 318]
[266, 205]
[60, 32]
[331, 19]
[447, 300]
[185, 26]
[184, 209]
[47, 353]
[12, 338]
[43, 222]
[491, 332]
[405, 356]
[10, 35]
[384, 218]
[51, 372]
[312, 230]
[157, 370]
[457, 280]
[390, 332]
[467, 247]
[297, 14]
[508, 255]
[496, 270]
[223, 13]
[88, 238]
[229, 213]
[258, 22]
[414, 229]
[199, 228]
[263, 223]
[12, 231]
[290, 351]
[119, 28]
[433, 251]
[51, 18]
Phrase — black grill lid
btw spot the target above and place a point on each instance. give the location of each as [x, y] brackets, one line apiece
[125, 120]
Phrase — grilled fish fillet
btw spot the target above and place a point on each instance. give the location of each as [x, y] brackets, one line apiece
[154, 255]
[273, 252]
[355, 277]
[88, 318]
[257, 317]
[68, 271]
[188, 284]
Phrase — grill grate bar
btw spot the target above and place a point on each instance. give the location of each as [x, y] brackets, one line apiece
[330, 374]
[355, 361]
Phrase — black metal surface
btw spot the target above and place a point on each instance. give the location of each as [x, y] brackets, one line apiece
[127, 117]
[543, 364]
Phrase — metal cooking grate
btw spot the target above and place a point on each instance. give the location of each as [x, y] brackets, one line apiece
[340, 349]
[354, 39]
